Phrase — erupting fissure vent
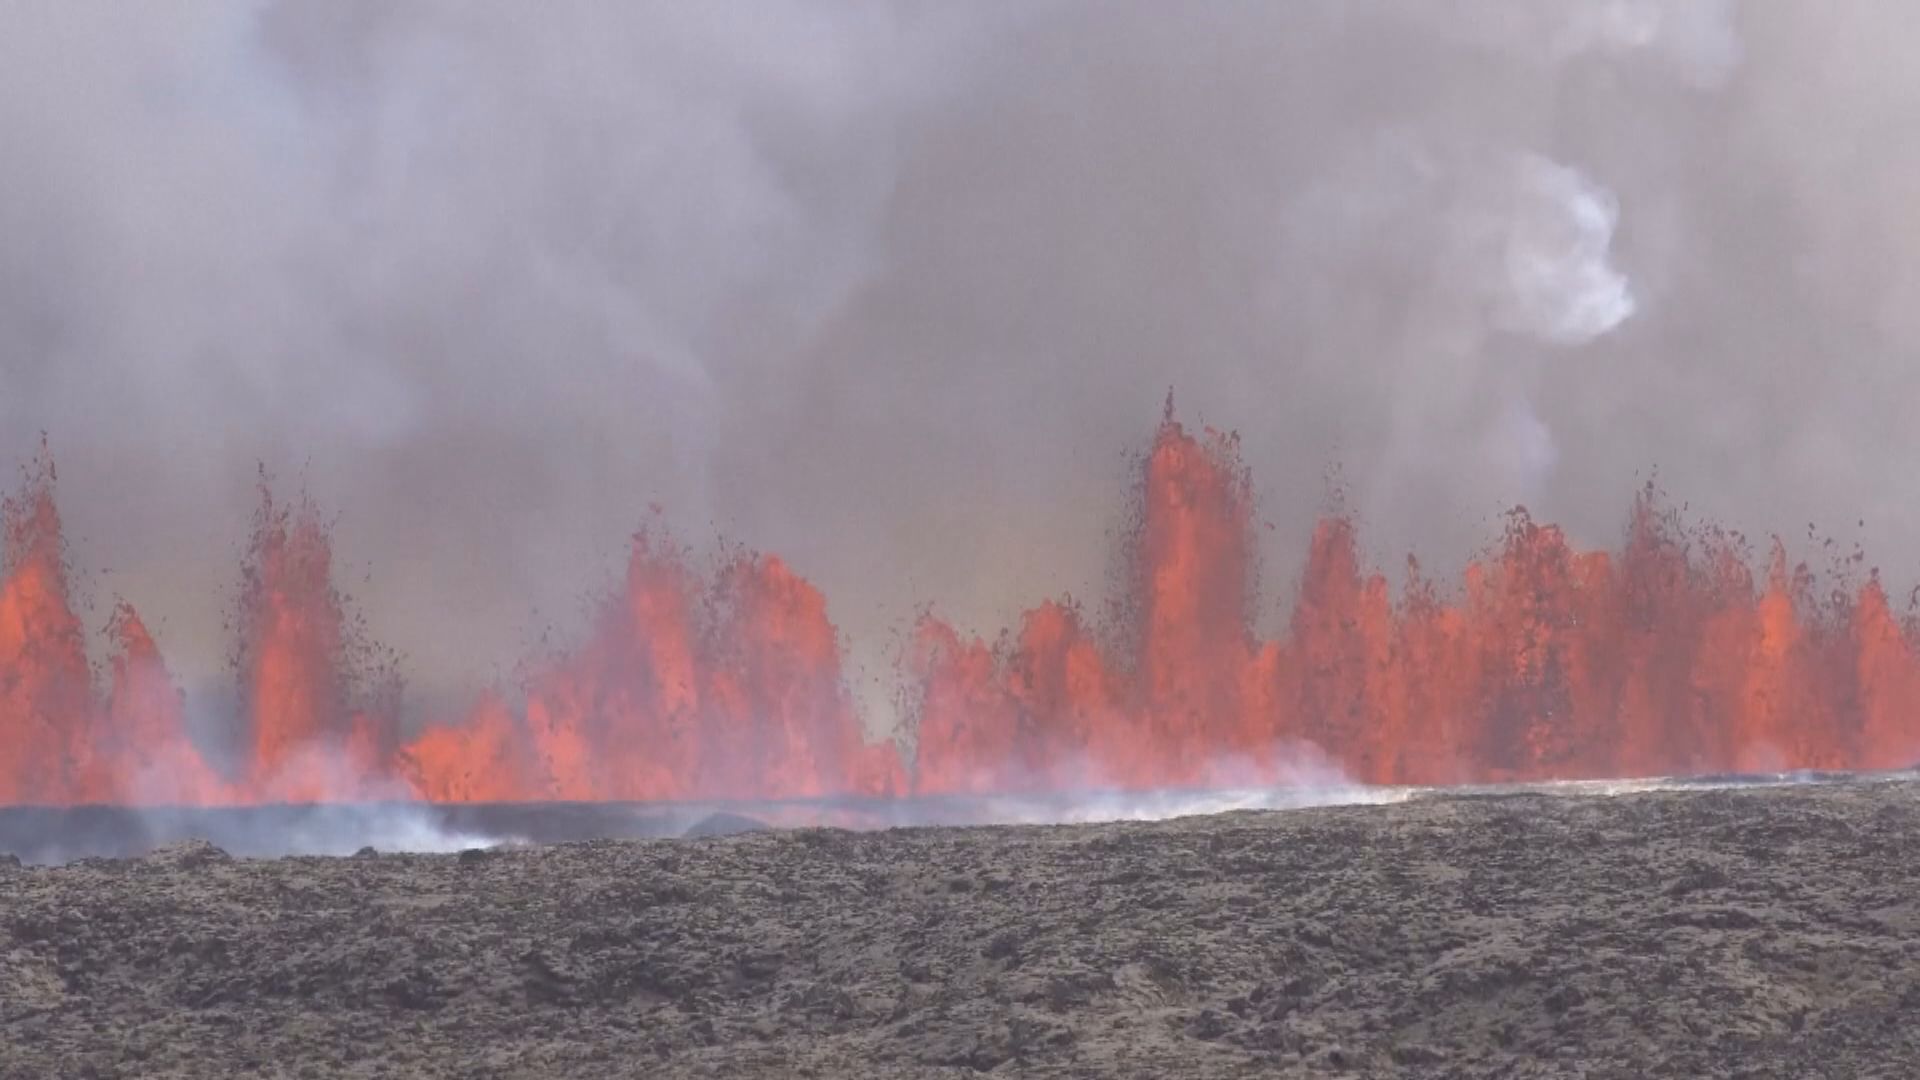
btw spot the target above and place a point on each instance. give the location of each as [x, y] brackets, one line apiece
[1667, 656]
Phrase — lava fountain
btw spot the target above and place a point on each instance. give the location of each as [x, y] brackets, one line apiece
[1675, 653]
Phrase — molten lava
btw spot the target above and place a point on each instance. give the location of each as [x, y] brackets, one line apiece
[685, 689]
[1667, 656]
[145, 752]
[47, 713]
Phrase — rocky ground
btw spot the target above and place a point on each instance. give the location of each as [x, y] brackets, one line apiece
[1758, 933]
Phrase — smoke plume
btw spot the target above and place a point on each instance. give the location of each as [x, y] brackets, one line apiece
[889, 288]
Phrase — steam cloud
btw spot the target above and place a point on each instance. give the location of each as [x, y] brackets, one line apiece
[888, 287]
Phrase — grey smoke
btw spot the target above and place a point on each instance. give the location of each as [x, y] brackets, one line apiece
[1561, 285]
[890, 288]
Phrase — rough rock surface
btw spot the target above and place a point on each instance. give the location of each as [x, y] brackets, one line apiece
[1721, 933]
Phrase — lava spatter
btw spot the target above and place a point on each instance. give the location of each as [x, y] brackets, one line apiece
[1545, 660]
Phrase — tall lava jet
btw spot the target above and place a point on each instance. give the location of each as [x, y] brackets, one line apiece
[717, 688]
[47, 713]
[322, 714]
[1668, 655]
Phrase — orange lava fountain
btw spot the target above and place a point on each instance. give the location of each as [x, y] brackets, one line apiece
[1546, 662]
[47, 714]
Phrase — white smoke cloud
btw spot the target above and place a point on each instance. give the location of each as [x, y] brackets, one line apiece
[1517, 245]
[1696, 37]
[1293, 775]
[1561, 284]
[1697, 41]
[331, 807]
[887, 288]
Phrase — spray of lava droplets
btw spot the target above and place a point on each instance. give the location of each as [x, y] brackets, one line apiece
[1669, 655]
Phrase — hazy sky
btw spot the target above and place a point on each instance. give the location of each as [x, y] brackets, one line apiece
[892, 288]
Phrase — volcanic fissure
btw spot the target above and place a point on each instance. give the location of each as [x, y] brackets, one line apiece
[1675, 653]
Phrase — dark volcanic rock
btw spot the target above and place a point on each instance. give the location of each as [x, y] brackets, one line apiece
[1757, 933]
[187, 855]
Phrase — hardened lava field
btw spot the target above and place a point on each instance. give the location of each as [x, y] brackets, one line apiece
[1771, 931]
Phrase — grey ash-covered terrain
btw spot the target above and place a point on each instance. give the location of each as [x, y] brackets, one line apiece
[1761, 933]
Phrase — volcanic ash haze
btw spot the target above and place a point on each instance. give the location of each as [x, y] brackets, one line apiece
[885, 290]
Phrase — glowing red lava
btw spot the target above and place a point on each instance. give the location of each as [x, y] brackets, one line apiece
[1666, 656]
